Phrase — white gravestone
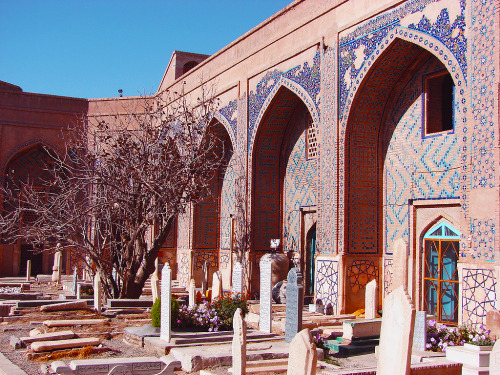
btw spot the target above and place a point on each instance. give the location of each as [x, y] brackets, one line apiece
[265, 295]
[204, 278]
[155, 286]
[371, 300]
[216, 285]
[396, 334]
[75, 281]
[28, 270]
[192, 293]
[166, 307]
[303, 357]
[97, 293]
[294, 304]
[495, 359]
[400, 264]
[239, 345]
[420, 331]
[238, 278]
[56, 269]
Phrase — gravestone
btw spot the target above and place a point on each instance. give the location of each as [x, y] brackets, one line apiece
[265, 295]
[155, 286]
[97, 293]
[75, 281]
[239, 344]
[400, 264]
[192, 293]
[204, 277]
[420, 331]
[329, 309]
[371, 300]
[294, 304]
[493, 323]
[320, 308]
[303, 357]
[396, 334]
[282, 292]
[495, 359]
[238, 278]
[166, 307]
[28, 270]
[56, 268]
[216, 285]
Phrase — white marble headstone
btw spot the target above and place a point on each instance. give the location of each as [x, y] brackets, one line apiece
[28, 270]
[216, 285]
[239, 344]
[396, 334]
[97, 293]
[265, 294]
[371, 300]
[237, 278]
[192, 293]
[166, 307]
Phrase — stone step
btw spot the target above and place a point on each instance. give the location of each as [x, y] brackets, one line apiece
[44, 346]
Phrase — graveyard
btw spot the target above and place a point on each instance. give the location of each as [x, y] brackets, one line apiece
[58, 324]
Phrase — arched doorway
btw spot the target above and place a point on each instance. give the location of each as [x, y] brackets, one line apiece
[441, 244]
[283, 179]
[310, 264]
[400, 147]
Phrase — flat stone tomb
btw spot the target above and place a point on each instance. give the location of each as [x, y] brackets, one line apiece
[136, 365]
[61, 335]
[73, 322]
[43, 346]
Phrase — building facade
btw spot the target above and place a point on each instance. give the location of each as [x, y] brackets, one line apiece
[352, 126]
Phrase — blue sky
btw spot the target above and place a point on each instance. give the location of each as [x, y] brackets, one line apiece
[92, 48]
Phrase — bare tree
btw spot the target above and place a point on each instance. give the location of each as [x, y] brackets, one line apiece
[120, 176]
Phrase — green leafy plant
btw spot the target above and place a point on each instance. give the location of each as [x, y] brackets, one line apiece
[156, 313]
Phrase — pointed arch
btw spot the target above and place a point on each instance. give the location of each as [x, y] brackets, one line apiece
[225, 123]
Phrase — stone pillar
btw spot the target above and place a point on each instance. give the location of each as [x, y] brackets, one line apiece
[294, 304]
[166, 306]
[216, 285]
[371, 300]
[192, 293]
[56, 269]
[97, 293]
[303, 357]
[265, 320]
[237, 278]
[28, 270]
[239, 345]
[75, 281]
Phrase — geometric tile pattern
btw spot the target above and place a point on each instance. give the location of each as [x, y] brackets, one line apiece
[479, 294]
[327, 282]
[483, 239]
[360, 273]
[206, 218]
[387, 276]
[227, 204]
[200, 257]
[183, 271]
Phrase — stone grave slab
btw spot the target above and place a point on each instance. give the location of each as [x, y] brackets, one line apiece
[294, 304]
[43, 346]
[65, 306]
[361, 328]
[61, 335]
[238, 278]
[239, 344]
[73, 322]
[396, 336]
[371, 300]
[420, 331]
[265, 294]
[303, 357]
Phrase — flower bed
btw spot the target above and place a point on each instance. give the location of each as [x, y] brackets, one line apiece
[439, 336]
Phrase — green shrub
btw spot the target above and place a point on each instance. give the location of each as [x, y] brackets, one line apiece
[156, 313]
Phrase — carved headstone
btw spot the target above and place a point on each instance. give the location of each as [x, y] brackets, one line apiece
[28, 270]
[75, 281]
[204, 277]
[303, 357]
[155, 286]
[283, 292]
[265, 295]
[400, 264]
[97, 293]
[192, 293]
[237, 278]
[56, 269]
[495, 359]
[294, 304]
[493, 323]
[420, 331]
[166, 307]
[371, 300]
[216, 285]
[239, 345]
[396, 334]
[320, 308]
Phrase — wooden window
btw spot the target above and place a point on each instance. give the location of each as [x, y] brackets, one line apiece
[438, 109]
